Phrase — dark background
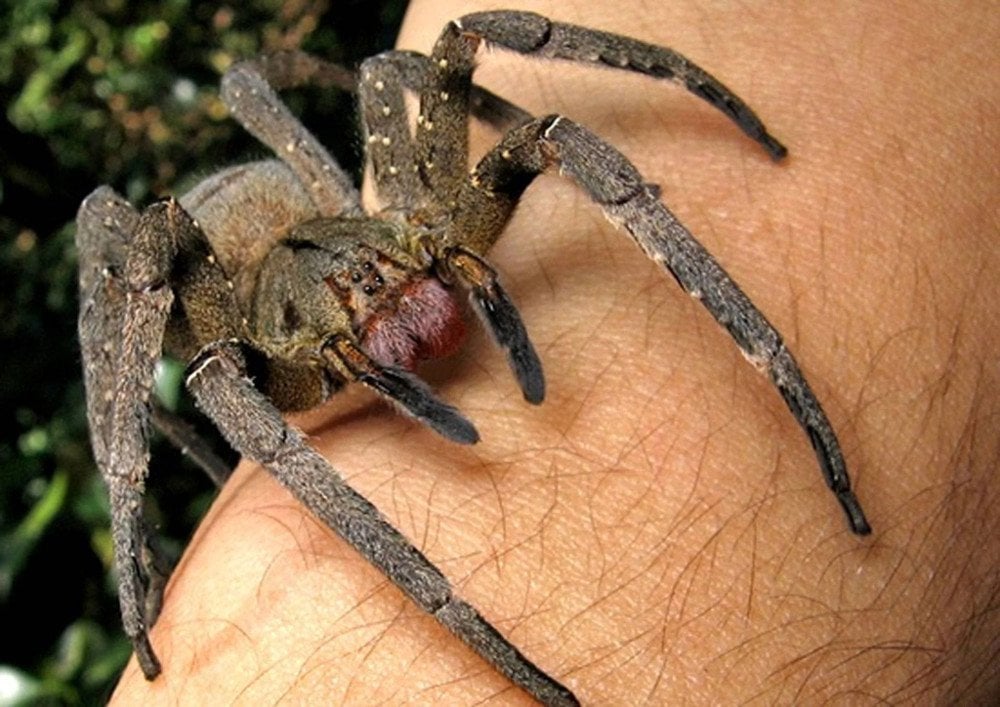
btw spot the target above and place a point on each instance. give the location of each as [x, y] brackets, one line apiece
[120, 93]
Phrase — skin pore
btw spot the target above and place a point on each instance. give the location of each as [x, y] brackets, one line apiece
[657, 530]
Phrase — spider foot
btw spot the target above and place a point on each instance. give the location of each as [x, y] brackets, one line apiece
[148, 662]
[855, 516]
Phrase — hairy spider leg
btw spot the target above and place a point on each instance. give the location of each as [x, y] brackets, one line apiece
[415, 72]
[255, 428]
[139, 264]
[105, 223]
[537, 36]
[389, 146]
[183, 436]
[402, 167]
[298, 67]
[249, 89]
[442, 131]
[617, 187]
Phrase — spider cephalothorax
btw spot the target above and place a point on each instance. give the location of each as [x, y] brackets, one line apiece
[279, 289]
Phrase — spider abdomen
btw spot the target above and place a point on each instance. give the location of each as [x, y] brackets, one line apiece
[245, 211]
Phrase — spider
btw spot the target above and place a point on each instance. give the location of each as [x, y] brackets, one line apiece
[279, 289]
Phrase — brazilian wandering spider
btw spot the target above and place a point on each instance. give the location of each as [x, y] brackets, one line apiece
[278, 288]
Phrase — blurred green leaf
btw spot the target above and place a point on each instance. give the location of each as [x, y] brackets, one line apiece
[169, 383]
[16, 546]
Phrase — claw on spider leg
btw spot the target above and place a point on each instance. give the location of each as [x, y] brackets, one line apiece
[148, 662]
[855, 516]
[132, 550]
[806, 409]
[707, 88]
[502, 319]
[832, 465]
[408, 392]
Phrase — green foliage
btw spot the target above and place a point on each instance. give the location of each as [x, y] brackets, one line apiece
[120, 93]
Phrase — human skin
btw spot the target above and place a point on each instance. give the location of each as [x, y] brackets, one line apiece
[658, 532]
